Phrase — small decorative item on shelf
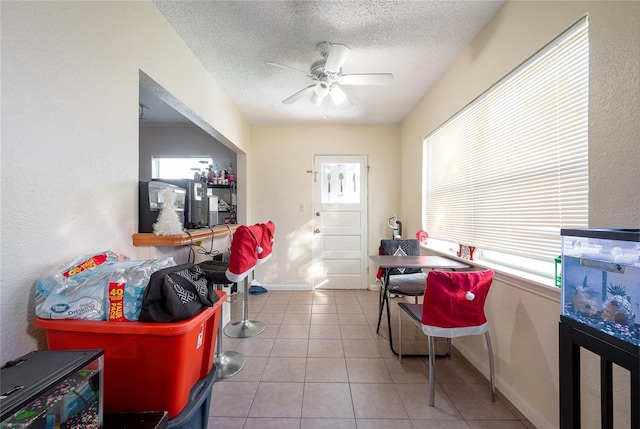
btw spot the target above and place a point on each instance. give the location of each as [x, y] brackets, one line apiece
[422, 236]
[583, 300]
[466, 252]
[617, 308]
[558, 273]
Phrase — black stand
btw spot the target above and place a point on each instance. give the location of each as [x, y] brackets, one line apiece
[574, 335]
[145, 420]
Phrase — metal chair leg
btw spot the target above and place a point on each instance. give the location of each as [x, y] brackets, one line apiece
[384, 299]
[491, 368]
[229, 363]
[400, 335]
[432, 372]
[381, 307]
[245, 328]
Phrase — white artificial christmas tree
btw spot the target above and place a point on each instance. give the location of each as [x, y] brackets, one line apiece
[168, 222]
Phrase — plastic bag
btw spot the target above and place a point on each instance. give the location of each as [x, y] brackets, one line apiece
[106, 292]
[78, 266]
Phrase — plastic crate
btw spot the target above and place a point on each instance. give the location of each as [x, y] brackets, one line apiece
[147, 366]
[196, 414]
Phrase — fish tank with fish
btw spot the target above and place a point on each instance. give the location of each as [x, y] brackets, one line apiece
[601, 280]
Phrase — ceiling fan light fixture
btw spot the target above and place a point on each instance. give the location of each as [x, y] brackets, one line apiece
[316, 99]
[328, 79]
[322, 89]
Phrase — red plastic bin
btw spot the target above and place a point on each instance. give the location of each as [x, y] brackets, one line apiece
[147, 366]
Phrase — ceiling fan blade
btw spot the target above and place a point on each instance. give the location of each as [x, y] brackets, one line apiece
[288, 68]
[298, 95]
[338, 97]
[366, 79]
[336, 58]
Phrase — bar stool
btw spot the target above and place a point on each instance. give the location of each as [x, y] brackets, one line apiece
[245, 328]
[229, 363]
[243, 258]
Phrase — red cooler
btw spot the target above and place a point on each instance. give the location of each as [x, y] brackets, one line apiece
[147, 366]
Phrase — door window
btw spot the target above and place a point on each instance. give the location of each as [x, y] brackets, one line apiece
[340, 183]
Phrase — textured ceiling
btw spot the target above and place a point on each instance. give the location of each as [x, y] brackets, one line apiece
[414, 40]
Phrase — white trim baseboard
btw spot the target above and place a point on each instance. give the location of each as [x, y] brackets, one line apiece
[289, 287]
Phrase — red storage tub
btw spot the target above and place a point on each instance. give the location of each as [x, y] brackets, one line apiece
[147, 366]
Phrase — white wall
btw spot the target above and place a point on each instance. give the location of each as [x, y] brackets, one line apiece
[525, 324]
[279, 160]
[180, 142]
[69, 156]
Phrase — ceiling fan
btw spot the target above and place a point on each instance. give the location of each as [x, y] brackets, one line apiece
[328, 79]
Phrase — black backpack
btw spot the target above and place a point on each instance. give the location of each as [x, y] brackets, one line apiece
[177, 293]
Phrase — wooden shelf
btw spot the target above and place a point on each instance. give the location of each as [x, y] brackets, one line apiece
[189, 237]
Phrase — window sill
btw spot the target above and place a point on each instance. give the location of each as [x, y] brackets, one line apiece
[529, 282]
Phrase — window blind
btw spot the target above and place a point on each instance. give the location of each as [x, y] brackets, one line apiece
[510, 170]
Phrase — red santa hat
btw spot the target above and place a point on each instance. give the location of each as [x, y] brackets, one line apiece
[243, 255]
[454, 303]
[266, 242]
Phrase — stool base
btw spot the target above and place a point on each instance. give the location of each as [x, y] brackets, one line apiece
[229, 364]
[244, 329]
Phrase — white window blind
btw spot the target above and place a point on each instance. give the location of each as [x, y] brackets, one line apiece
[510, 170]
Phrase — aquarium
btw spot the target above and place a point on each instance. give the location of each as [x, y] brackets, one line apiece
[601, 280]
[52, 390]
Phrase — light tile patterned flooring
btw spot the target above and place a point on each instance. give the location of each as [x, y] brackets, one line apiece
[320, 364]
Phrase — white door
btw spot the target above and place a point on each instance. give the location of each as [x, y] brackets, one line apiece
[340, 222]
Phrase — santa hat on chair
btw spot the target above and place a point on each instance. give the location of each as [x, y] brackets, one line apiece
[243, 255]
[453, 303]
[266, 242]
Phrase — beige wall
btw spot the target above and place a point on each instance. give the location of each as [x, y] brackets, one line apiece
[279, 159]
[70, 84]
[525, 323]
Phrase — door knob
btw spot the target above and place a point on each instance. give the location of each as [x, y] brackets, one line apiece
[317, 213]
[317, 231]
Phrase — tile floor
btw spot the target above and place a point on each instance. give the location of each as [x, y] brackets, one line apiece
[320, 364]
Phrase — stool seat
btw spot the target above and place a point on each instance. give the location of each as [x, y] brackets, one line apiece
[216, 271]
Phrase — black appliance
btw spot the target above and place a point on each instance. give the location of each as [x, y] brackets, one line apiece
[150, 200]
[196, 203]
